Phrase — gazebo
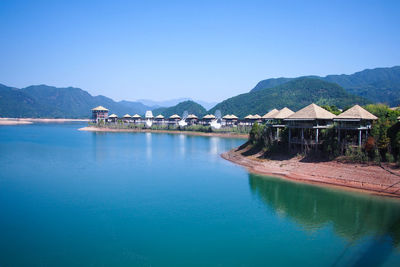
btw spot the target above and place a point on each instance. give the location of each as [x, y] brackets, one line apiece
[174, 119]
[304, 125]
[206, 120]
[112, 118]
[191, 119]
[355, 119]
[229, 120]
[136, 118]
[268, 116]
[126, 118]
[277, 120]
[159, 119]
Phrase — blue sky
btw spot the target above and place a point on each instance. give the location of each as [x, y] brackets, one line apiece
[208, 50]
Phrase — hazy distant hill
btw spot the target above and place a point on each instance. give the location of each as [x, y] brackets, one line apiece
[174, 102]
[377, 85]
[190, 106]
[294, 94]
[49, 101]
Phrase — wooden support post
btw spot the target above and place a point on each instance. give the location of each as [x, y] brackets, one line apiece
[359, 138]
[338, 136]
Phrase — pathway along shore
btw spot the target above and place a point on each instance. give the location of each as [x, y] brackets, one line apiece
[224, 135]
[373, 179]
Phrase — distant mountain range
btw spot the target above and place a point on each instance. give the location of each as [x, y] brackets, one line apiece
[368, 86]
[52, 102]
[294, 94]
[378, 85]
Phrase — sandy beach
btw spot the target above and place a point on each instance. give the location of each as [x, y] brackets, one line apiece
[374, 179]
[18, 121]
[225, 135]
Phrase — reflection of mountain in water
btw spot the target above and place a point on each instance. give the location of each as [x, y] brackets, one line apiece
[352, 215]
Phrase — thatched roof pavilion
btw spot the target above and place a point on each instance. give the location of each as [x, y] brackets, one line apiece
[356, 113]
[113, 116]
[175, 117]
[160, 117]
[136, 116]
[310, 113]
[127, 116]
[192, 117]
[355, 120]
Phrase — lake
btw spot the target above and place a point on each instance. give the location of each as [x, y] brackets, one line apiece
[72, 198]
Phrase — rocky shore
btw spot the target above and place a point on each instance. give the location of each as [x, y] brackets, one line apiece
[374, 179]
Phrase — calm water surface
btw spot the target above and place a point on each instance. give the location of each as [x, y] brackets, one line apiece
[71, 198]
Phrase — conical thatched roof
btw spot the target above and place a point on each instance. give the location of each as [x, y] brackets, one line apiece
[256, 117]
[312, 112]
[356, 113]
[283, 114]
[136, 116]
[209, 116]
[127, 116]
[271, 113]
[160, 117]
[113, 116]
[249, 117]
[175, 116]
[192, 117]
[100, 108]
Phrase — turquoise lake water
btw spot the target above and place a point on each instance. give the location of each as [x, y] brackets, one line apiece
[72, 198]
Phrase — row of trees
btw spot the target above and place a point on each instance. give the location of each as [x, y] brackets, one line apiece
[383, 143]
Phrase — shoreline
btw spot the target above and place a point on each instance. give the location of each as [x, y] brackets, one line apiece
[24, 121]
[224, 135]
[371, 179]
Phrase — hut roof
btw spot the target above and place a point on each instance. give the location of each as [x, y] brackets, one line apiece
[113, 116]
[149, 114]
[127, 116]
[209, 116]
[356, 113]
[283, 114]
[249, 117]
[175, 116]
[192, 116]
[312, 112]
[136, 116]
[99, 108]
[233, 117]
[271, 113]
[256, 117]
[159, 116]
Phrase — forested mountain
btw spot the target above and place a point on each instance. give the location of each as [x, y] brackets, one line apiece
[53, 102]
[378, 85]
[190, 106]
[294, 94]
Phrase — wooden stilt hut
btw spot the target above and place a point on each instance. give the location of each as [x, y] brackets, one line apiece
[356, 121]
[305, 124]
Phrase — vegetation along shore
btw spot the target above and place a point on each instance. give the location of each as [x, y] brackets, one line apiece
[357, 149]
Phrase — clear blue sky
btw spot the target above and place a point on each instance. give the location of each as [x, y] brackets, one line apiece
[207, 50]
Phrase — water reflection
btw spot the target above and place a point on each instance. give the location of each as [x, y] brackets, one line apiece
[352, 215]
[148, 147]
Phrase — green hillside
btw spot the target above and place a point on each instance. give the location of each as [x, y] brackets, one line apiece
[377, 85]
[53, 102]
[294, 94]
[190, 106]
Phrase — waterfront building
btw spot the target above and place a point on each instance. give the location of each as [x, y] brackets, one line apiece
[127, 118]
[355, 121]
[276, 121]
[206, 120]
[136, 118]
[112, 118]
[192, 119]
[174, 119]
[229, 120]
[99, 114]
[159, 119]
[305, 124]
